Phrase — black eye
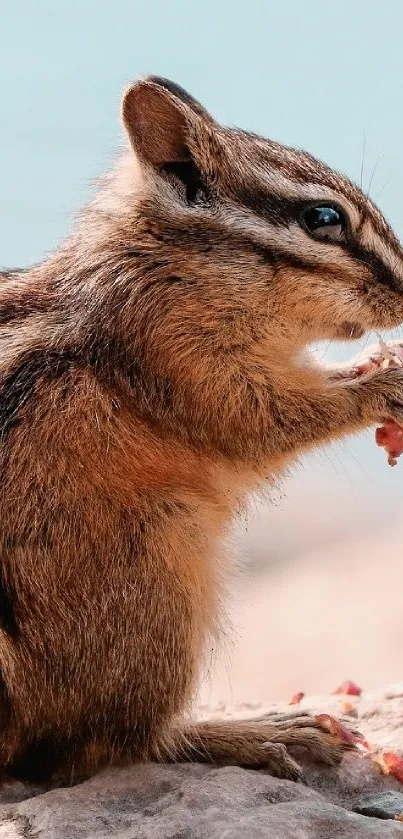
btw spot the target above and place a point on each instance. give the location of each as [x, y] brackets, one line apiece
[325, 222]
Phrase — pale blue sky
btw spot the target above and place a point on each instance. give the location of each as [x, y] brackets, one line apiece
[324, 76]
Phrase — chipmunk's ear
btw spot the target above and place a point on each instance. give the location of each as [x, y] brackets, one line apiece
[159, 116]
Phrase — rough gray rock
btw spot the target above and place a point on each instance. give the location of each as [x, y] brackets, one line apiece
[382, 805]
[202, 802]
[186, 802]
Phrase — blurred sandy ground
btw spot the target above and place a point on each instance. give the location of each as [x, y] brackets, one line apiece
[319, 597]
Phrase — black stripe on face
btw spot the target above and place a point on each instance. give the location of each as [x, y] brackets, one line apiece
[381, 272]
[275, 256]
[280, 211]
[276, 209]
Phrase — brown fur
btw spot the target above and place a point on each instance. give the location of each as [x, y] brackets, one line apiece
[154, 372]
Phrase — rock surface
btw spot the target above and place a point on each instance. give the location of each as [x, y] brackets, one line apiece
[203, 802]
[382, 805]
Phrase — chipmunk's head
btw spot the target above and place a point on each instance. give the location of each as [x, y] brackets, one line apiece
[257, 233]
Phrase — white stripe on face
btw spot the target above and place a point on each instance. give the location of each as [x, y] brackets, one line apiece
[290, 239]
[373, 241]
[278, 184]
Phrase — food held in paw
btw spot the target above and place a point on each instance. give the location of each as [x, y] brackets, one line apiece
[390, 437]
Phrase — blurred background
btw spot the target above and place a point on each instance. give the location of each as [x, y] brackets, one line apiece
[319, 596]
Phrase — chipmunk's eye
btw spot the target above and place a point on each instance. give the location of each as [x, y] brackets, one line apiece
[325, 222]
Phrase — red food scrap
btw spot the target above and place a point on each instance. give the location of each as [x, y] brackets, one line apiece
[391, 764]
[337, 728]
[350, 688]
[296, 699]
[340, 731]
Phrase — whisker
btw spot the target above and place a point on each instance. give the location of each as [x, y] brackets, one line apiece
[372, 175]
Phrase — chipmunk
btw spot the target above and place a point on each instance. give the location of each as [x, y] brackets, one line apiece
[154, 371]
